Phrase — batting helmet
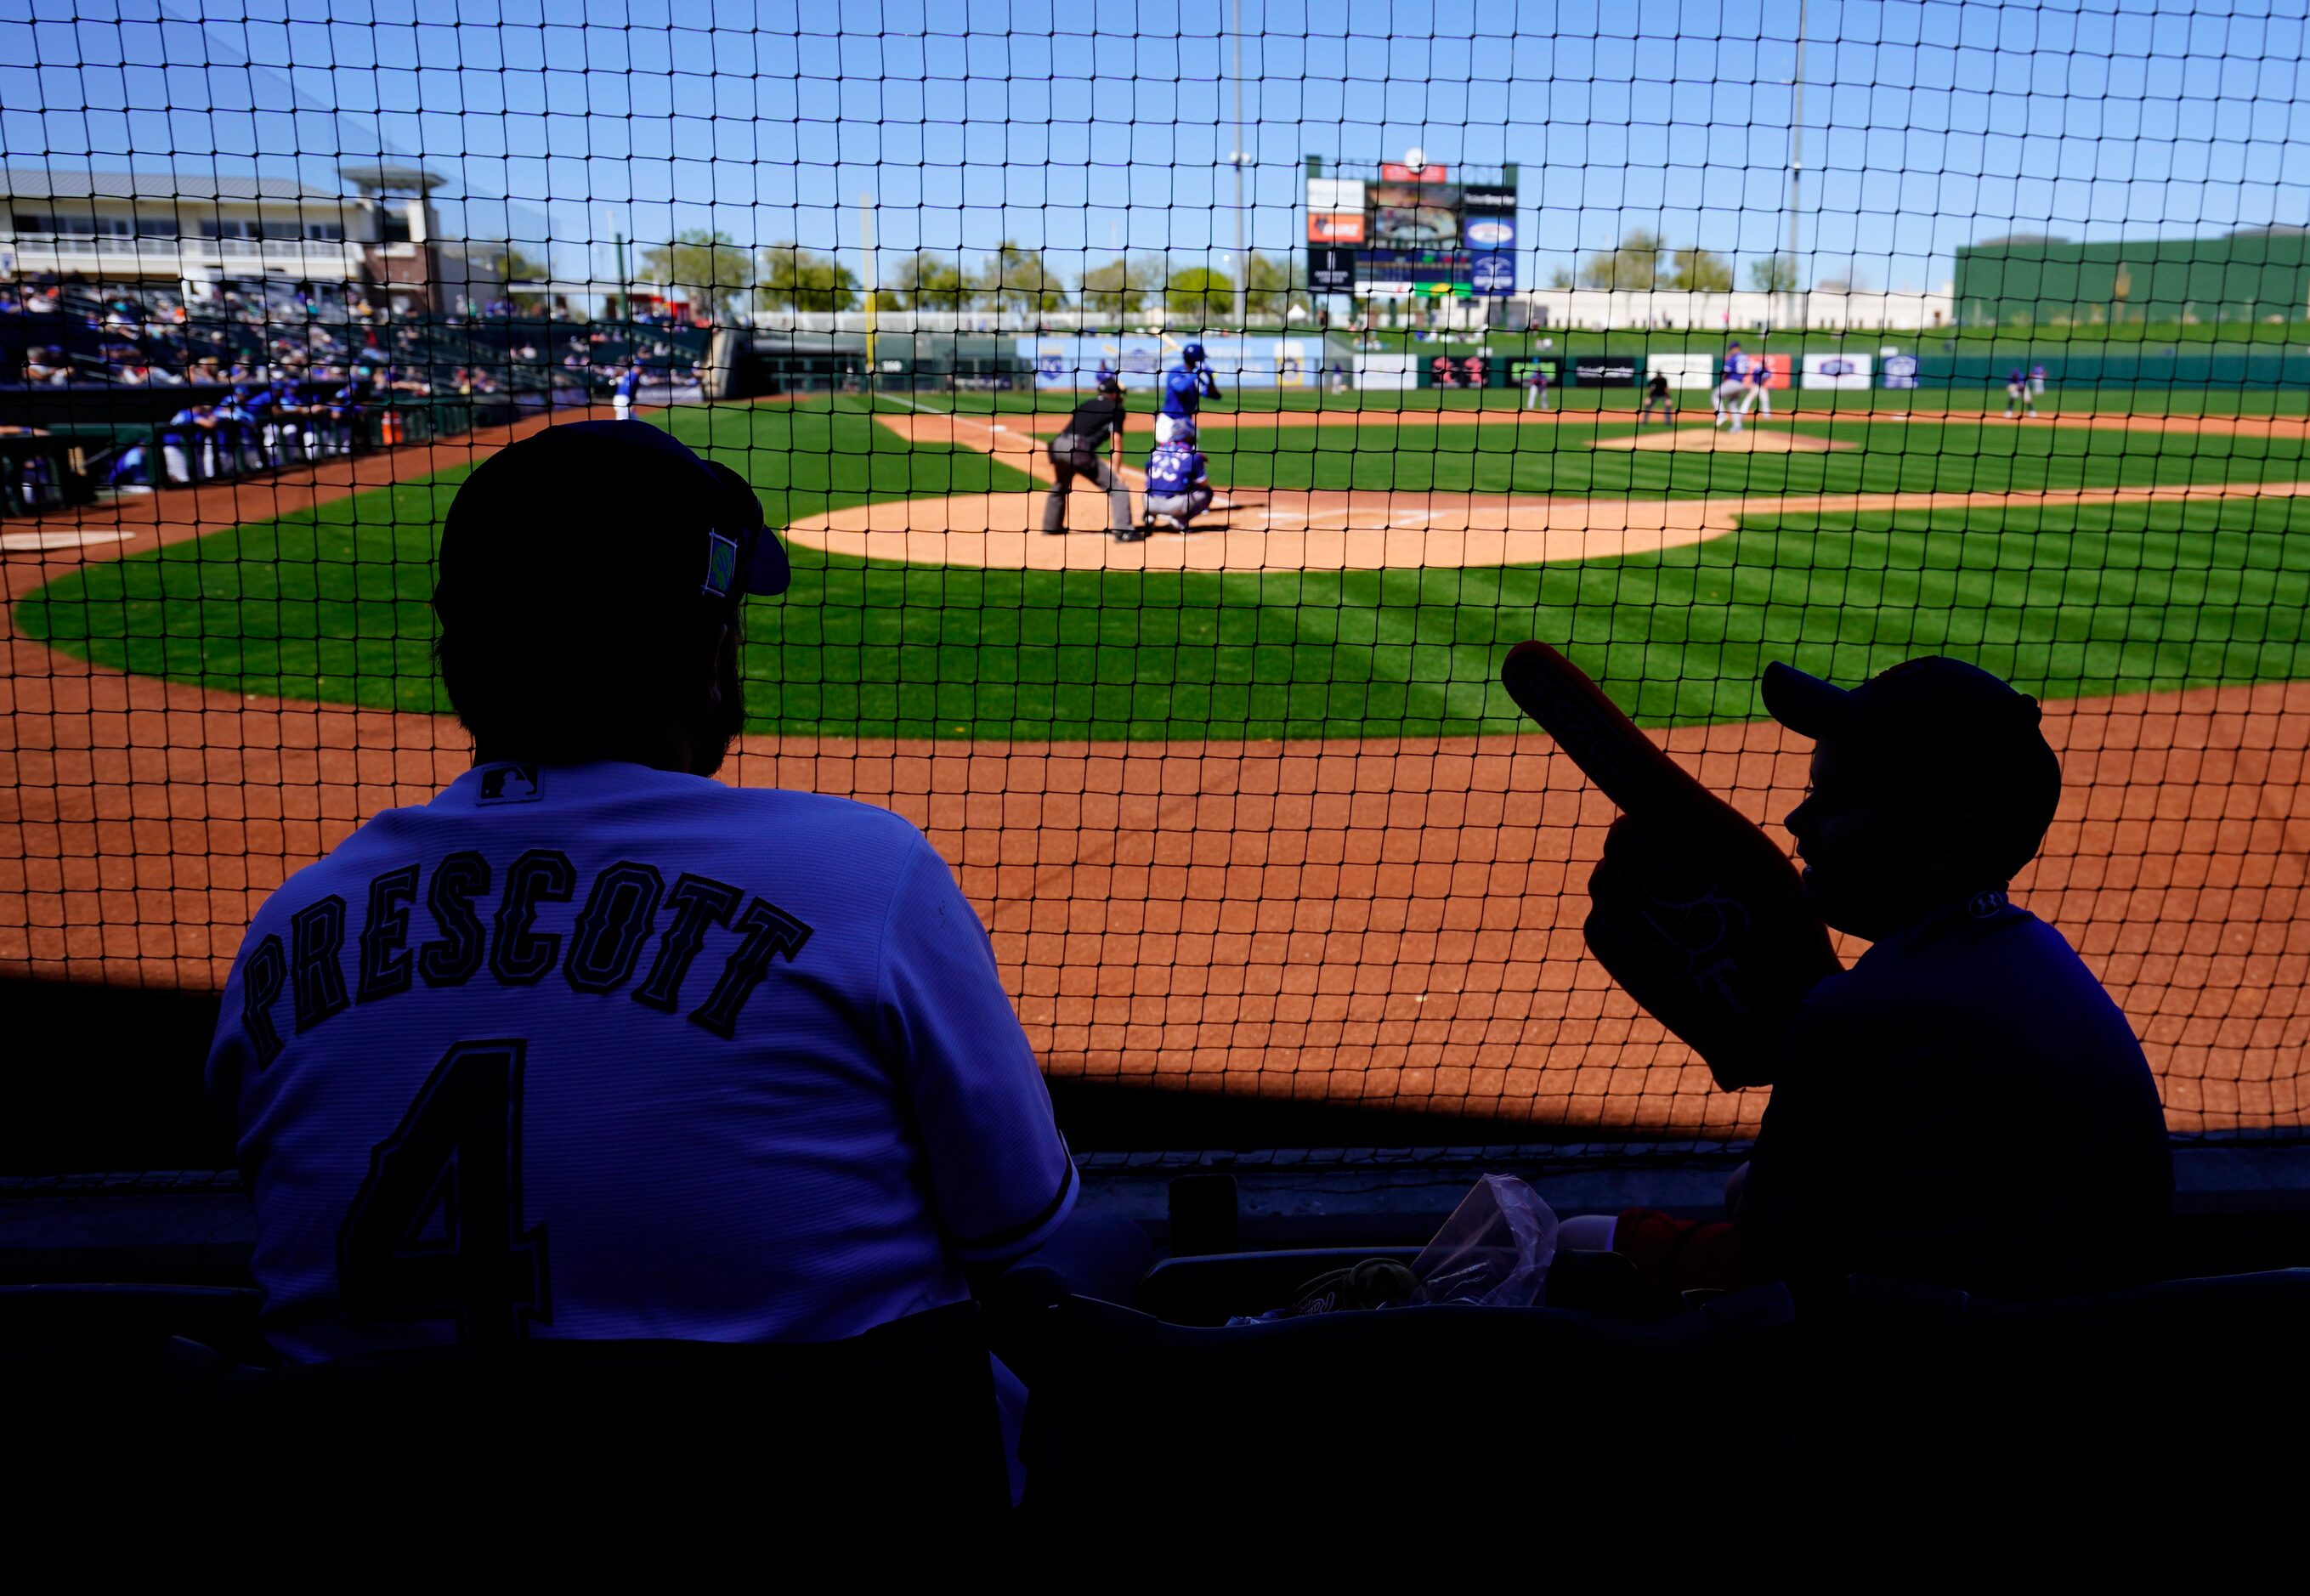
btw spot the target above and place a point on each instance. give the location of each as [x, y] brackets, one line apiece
[1193, 354]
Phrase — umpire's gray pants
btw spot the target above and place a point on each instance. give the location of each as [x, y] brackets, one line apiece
[1070, 465]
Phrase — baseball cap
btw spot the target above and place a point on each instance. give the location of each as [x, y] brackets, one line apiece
[1946, 726]
[607, 518]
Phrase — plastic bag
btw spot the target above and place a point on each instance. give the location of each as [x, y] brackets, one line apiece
[1494, 1251]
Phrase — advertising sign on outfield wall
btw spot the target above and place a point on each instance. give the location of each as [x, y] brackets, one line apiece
[1837, 371]
[1683, 370]
[1605, 372]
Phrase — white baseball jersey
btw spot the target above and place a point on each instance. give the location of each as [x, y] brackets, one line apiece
[600, 1051]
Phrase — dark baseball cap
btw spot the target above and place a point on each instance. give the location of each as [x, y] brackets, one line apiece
[1948, 727]
[606, 518]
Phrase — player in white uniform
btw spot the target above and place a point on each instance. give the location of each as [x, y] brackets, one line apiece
[1760, 384]
[1730, 388]
[744, 1052]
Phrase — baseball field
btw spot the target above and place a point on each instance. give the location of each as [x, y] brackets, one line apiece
[1245, 807]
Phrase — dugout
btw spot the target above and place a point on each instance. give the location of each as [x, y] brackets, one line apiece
[748, 365]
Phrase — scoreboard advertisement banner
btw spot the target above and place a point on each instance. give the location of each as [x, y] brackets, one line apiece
[1492, 273]
[1489, 232]
[1412, 230]
[1331, 271]
[1411, 271]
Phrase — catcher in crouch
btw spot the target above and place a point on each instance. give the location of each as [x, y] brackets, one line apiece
[1965, 1105]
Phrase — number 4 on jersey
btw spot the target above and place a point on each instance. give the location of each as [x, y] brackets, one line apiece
[436, 1231]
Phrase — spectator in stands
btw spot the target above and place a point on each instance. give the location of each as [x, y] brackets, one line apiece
[46, 368]
[1965, 1105]
[807, 1110]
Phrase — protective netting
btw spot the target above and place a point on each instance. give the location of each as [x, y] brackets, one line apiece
[1688, 338]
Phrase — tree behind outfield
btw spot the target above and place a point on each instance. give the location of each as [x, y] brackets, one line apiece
[1274, 286]
[1635, 263]
[1775, 275]
[710, 269]
[1016, 277]
[792, 278]
[929, 280]
[1123, 288]
[1698, 271]
[1200, 294]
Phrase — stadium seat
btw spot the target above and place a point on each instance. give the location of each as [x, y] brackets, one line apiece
[1393, 1407]
[2070, 1397]
[906, 1412]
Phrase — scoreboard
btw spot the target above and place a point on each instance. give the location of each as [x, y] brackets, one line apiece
[1411, 231]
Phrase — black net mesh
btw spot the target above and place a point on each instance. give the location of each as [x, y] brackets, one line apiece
[1681, 339]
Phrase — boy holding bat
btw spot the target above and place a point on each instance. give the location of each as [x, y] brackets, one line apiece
[1965, 1105]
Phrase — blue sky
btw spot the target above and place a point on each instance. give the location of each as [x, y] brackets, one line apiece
[1925, 125]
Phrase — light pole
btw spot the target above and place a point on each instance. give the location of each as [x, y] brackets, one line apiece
[1236, 158]
[874, 279]
[1796, 168]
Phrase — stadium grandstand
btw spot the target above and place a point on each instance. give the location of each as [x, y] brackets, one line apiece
[1050, 737]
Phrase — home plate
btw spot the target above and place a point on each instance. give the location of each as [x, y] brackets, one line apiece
[29, 542]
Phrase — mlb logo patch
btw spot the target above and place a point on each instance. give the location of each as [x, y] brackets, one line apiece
[721, 564]
[510, 784]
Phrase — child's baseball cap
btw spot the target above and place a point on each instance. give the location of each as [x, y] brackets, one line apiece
[1949, 729]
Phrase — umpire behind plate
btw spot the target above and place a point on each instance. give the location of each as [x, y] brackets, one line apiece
[592, 1046]
[1097, 424]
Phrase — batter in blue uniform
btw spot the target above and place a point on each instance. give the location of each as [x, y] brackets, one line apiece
[1186, 386]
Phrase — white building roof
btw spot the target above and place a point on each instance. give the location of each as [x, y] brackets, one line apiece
[34, 182]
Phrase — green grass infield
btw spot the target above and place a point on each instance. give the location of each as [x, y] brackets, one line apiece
[2063, 600]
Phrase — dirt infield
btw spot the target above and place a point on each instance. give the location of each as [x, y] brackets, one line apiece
[1381, 920]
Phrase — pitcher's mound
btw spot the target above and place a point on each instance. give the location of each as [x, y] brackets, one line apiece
[1752, 440]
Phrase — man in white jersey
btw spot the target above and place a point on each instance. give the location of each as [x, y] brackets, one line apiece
[1731, 384]
[1760, 386]
[642, 1054]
